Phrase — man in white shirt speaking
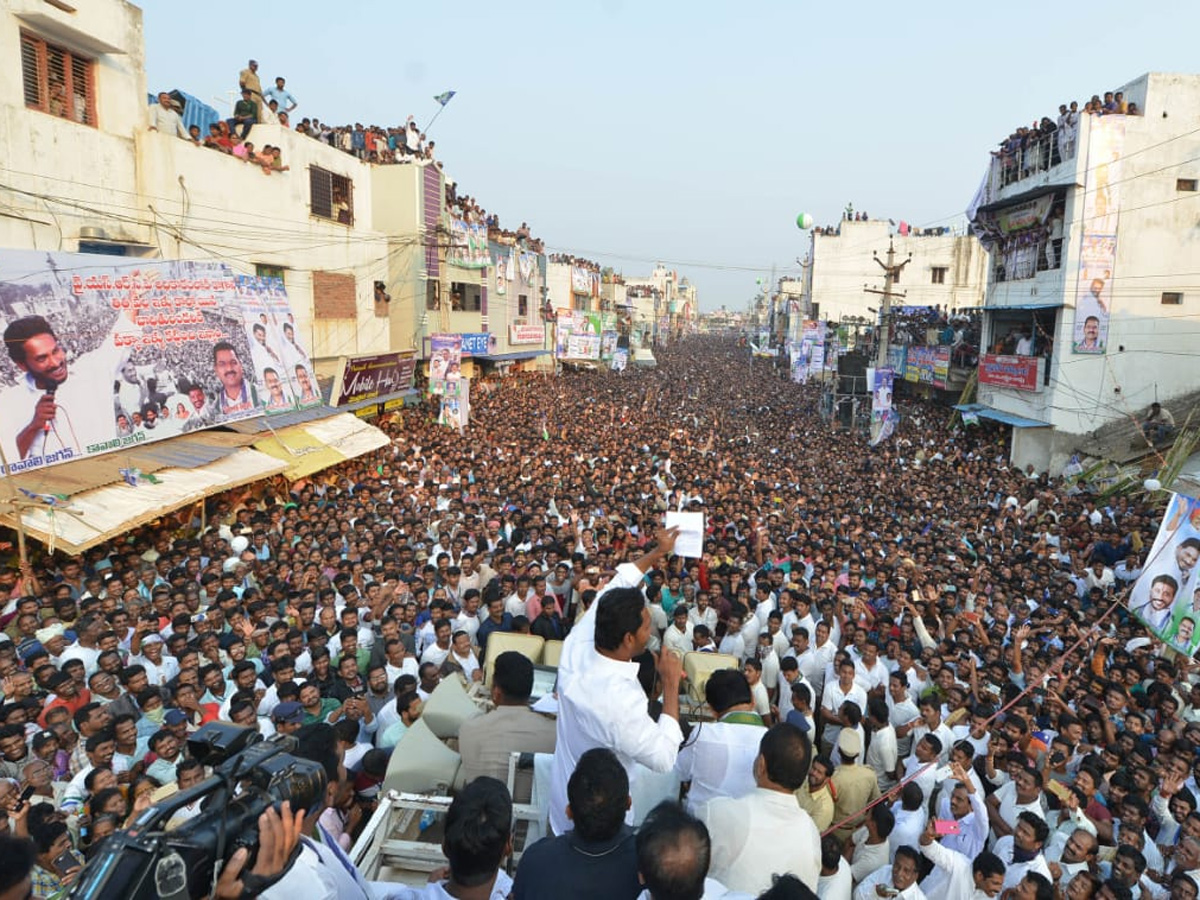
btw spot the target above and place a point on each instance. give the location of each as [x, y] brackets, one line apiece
[600, 701]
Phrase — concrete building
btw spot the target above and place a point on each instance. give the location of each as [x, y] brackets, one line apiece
[369, 254]
[947, 270]
[1093, 297]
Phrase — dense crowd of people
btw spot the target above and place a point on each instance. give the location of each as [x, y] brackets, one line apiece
[936, 691]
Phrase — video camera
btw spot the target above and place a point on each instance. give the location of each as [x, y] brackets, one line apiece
[250, 775]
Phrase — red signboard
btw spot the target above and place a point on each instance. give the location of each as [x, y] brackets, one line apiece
[1021, 373]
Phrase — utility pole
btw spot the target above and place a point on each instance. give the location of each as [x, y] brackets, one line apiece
[891, 272]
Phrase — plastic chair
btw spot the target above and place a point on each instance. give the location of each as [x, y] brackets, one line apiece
[420, 763]
[552, 653]
[698, 667]
[528, 645]
[447, 708]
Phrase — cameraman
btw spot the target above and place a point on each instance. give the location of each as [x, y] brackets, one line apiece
[478, 837]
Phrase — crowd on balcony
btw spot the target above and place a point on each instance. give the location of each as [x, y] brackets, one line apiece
[577, 261]
[1047, 142]
[939, 326]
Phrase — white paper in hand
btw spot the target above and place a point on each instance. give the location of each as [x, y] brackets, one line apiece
[690, 542]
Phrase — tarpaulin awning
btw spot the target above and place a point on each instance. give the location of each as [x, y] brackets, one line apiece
[186, 451]
[1049, 304]
[1025, 196]
[101, 513]
[516, 354]
[998, 415]
[317, 445]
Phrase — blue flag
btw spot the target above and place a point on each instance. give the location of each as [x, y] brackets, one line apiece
[444, 98]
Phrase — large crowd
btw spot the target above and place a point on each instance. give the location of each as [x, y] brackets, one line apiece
[936, 692]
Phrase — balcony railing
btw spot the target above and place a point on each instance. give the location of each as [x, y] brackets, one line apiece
[1022, 158]
[1026, 261]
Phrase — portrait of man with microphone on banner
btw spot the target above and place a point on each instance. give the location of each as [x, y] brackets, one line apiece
[1166, 595]
[104, 352]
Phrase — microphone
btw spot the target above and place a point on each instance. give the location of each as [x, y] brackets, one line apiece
[50, 392]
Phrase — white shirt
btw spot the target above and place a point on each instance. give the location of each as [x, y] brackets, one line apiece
[866, 889]
[678, 642]
[748, 849]
[870, 678]
[718, 760]
[838, 885]
[408, 667]
[972, 828]
[867, 857]
[602, 704]
[832, 700]
[713, 890]
[89, 656]
[883, 756]
[1014, 872]
[951, 878]
[910, 824]
[470, 664]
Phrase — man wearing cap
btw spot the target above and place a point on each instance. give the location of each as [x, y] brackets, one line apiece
[147, 651]
[52, 641]
[287, 717]
[248, 80]
[854, 785]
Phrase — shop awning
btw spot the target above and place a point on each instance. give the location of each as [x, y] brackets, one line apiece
[1049, 304]
[516, 354]
[317, 445]
[109, 507]
[1025, 196]
[998, 415]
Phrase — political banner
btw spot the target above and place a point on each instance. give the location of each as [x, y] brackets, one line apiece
[445, 360]
[1098, 244]
[583, 345]
[620, 359]
[105, 352]
[468, 245]
[812, 334]
[456, 404]
[1166, 596]
[371, 377]
[927, 365]
[608, 344]
[581, 280]
[881, 397]
[1093, 292]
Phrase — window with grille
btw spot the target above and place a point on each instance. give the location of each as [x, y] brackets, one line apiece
[58, 81]
[939, 274]
[465, 297]
[331, 195]
[1172, 298]
[522, 306]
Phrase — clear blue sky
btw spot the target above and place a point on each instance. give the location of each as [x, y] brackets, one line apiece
[687, 132]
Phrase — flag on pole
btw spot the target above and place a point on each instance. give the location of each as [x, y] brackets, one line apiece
[444, 97]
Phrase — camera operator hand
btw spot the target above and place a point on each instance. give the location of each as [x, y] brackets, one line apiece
[278, 835]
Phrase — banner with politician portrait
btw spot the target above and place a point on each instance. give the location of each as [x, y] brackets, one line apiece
[105, 352]
[1098, 243]
[1166, 596]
